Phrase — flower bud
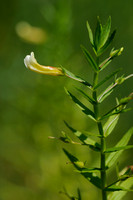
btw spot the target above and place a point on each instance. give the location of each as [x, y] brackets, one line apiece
[31, 63]
[116, 52]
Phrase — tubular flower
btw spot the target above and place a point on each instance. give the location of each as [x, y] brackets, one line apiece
[31, 63]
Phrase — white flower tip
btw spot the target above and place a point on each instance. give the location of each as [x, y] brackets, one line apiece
[29, 60]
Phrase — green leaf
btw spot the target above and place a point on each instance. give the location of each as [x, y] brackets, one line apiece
[79, 165]
[85, 139]
[66, 139]
[97, 34]
[115, 188]
[105, 63]
[120, 108]
[90, 34]
[116, 52]
[106, 92]
[84, 109]
[79, 194]
[91, 177]
[105, 33]
[110, 89]
[70, 196]
[114, 111]
[76, 78]
[123, 142]
[90, 59]
[120, 194]
[95, 180]
[107, 78]
[90, 170]
[108, 42]
[89, 98]
[110, 124]
[114, 149]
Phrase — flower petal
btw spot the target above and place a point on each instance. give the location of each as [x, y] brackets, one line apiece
[32, 64]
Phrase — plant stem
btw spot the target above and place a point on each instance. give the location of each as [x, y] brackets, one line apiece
[103, 142]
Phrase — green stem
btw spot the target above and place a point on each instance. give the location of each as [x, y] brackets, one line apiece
[103, 142]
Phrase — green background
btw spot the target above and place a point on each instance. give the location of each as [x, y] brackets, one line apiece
[33, 106]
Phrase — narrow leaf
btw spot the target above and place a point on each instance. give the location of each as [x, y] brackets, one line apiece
[86, 140]
[90, 59]
[105, 63]
[95, 180]
[76, 78]
[107, 78]
[89, 98]
[120, 194]
[110, 124]
[115, 188]
[105, 33]
[79, 194]
[106, 45]
[114, 111]
[123, 142]
[97, 34]
[66, 139]
[84, 109]
[114, 149]
[106, 92]
[90, 33]
[90, 170]
[120, 108]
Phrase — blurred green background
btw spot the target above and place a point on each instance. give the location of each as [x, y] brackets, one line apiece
[33, 106]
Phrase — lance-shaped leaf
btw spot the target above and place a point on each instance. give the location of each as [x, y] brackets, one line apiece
[76, 78]
[123, 142]
[114, 111]
[105, 63]
[86, 170]
[104, 33]
[110, 89]
[84, 109]
[79, 194]
[70, 196]
[115, 188]
[106, 92]
[66, 139]
[120, 194]
[90, 34]
[110, 124]
[113, 54]
[120, 108]
[108, 42]
[97, 34]
[107, 78]
[88, 97]
[95, 180]
[114, 149]
[85, 139]
[90, 59]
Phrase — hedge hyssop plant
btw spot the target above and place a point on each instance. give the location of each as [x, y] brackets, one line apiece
[105, 123]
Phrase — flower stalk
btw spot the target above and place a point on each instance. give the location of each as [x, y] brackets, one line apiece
[101, 133]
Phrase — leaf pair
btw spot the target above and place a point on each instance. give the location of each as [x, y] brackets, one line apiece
[90, 176]
[120, 191]
[101, 40]
[120, 146]
[118, 81]
[94, 145]
[84, 109]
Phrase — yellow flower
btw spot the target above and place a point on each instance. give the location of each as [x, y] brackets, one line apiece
[31, 63]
